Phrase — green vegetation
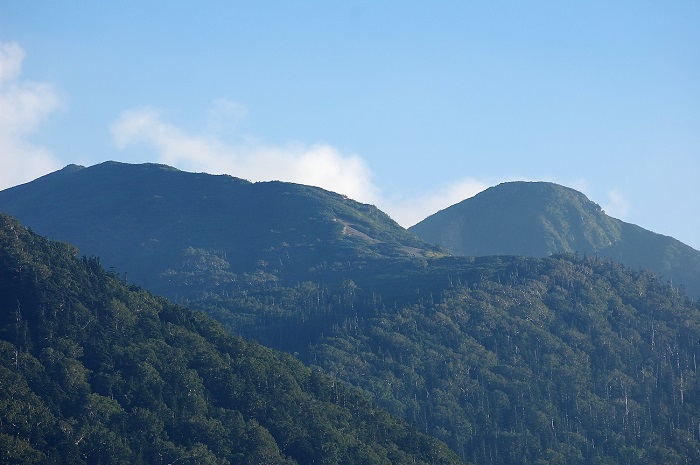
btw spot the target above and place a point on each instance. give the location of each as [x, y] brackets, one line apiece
[96, 372]
[568, 359]
[508, 360]
[144, 220]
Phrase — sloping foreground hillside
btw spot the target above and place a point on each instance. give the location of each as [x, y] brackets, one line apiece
[94, 372]
[538, 219]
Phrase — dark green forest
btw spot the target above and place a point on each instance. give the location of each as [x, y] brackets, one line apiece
[93, 371]
[565, 359]
[571, 360]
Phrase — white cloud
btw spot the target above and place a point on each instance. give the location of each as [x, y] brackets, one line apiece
[409, 211]
[225, 116]
[617, 205]
[23, 106]
[319, 164]
[11, 57]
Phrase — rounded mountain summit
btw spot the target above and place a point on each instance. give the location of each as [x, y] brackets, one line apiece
[541, 218]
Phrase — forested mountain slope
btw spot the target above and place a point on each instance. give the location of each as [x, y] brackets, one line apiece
[566, 359]
[539, 219]
[149, 220]
[95, 372]
[507, 359]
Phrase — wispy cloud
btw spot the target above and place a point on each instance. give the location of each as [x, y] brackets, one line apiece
[617, 205]
[319, 164]
[225, 116]
[23, 106]
[410, 210]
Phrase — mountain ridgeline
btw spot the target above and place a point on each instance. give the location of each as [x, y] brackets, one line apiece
[570, 358]
[96, 372]
[538, 219]
[157, 224]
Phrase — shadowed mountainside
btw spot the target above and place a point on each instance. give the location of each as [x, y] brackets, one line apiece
[151, 221]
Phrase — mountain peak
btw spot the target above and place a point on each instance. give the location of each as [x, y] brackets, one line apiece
[521, 218]
[537, 194]
[143, 219]
[542, 218]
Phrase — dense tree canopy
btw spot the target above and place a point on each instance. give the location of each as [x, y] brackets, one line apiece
[93, 371]
[507, 359]
[566, 359]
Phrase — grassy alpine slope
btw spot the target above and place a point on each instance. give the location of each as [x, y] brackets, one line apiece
[538, 219]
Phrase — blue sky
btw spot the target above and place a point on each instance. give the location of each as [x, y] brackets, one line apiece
[412, 106]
